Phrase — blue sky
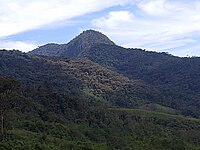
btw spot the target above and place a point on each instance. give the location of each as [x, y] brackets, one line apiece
[171, 26]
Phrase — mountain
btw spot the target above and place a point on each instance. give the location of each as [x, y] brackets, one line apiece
[98, 96]
[40, 118]
[43, 118]
[77, 77]
[79, 46]
[177, 79]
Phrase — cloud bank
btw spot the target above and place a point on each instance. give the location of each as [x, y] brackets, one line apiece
[17, 45]
[21, 15]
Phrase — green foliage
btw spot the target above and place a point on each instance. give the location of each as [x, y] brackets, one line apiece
[77, 77]
[174, 81]
[74, 103]
[159, 108]
[60, 121]
[8, 99]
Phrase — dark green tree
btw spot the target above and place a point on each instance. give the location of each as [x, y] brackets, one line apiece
[8, 93]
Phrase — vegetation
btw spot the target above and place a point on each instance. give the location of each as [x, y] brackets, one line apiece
[78, 77]
[8, 89]
[106, 97]
[175, 79]
[51, 120]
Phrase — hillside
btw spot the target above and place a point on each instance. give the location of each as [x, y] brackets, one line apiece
[77, 77]
[39, 119]
[176, 79]
[93, 94]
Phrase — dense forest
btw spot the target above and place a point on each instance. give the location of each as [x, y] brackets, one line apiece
[78, 77]
[93, 94]
[176, 79]
[41, 118]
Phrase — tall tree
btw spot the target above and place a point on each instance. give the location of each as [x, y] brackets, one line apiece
[8, 92]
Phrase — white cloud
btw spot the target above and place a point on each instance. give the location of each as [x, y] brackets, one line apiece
[114, 19]
[149, 24]
[21, 15]
[156, 7]
[18, 45]
[158, 24]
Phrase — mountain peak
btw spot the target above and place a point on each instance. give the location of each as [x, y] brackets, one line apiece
[81, 44]
[78, 46]
[92, 37]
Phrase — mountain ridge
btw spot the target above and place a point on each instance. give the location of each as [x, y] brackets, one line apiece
[177, 78]
[78, 77]
[99, 97]
[76, 47]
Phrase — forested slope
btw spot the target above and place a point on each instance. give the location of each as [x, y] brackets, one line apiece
[78, 77]
[177, 79]
[39, 119]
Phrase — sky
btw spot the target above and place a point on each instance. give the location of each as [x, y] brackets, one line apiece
[171, 26]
